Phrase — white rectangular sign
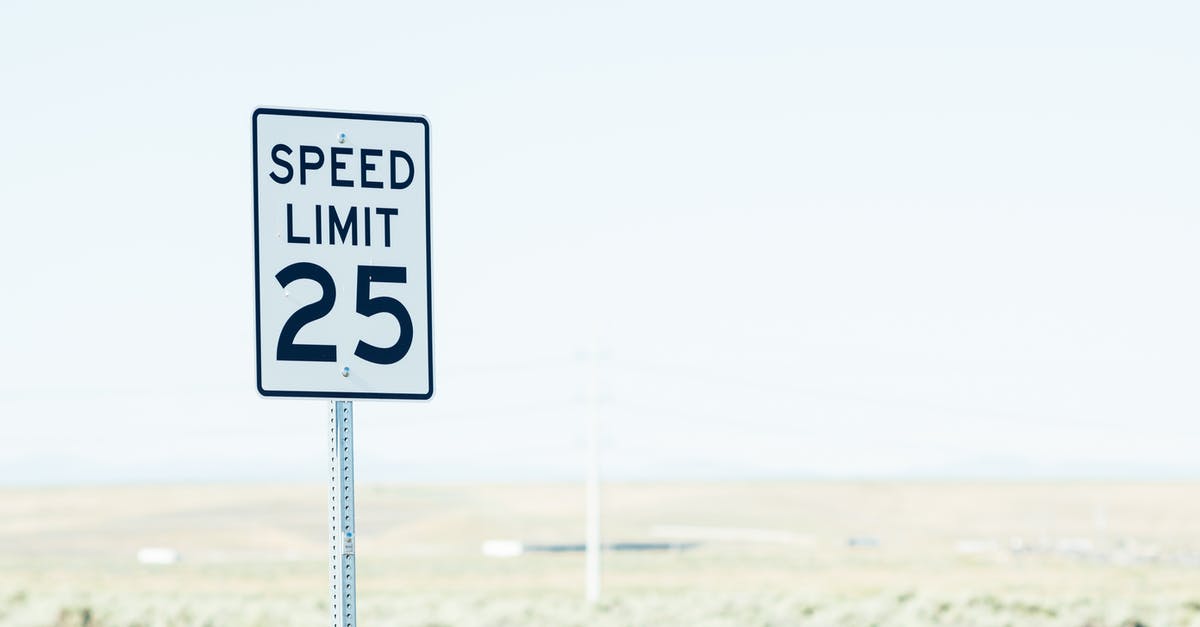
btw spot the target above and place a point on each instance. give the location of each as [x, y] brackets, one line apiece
[341, 255]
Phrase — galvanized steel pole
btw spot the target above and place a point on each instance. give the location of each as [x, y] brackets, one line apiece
[341, 513]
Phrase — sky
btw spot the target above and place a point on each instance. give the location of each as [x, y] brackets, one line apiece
[762, 240]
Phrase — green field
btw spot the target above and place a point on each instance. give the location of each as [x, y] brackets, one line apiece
[816, 554]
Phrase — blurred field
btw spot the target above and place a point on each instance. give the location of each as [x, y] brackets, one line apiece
[840, 554]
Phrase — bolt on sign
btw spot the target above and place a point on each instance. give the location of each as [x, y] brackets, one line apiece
[342, 274]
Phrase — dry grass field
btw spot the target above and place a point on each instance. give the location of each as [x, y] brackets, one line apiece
[1072, 554]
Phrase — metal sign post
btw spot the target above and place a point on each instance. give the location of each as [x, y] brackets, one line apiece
[341, 513]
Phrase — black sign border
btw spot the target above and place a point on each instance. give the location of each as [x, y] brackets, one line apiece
[341, 115]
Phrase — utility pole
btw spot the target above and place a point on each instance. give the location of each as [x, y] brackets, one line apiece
[593, 546]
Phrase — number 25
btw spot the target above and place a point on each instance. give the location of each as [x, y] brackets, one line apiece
[289, 350]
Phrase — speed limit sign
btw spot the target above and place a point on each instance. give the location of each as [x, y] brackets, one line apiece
[341, 255]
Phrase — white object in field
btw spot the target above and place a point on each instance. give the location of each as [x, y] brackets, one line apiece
[976, 547]
[342, 273]
[502, 548]
[1076, 546]
[341, 513]
[728, 534]
[592, 531]
[157, 556]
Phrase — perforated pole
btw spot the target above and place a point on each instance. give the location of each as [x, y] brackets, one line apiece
[341, 513]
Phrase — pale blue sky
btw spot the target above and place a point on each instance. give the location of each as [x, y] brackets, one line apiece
[810, 239]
